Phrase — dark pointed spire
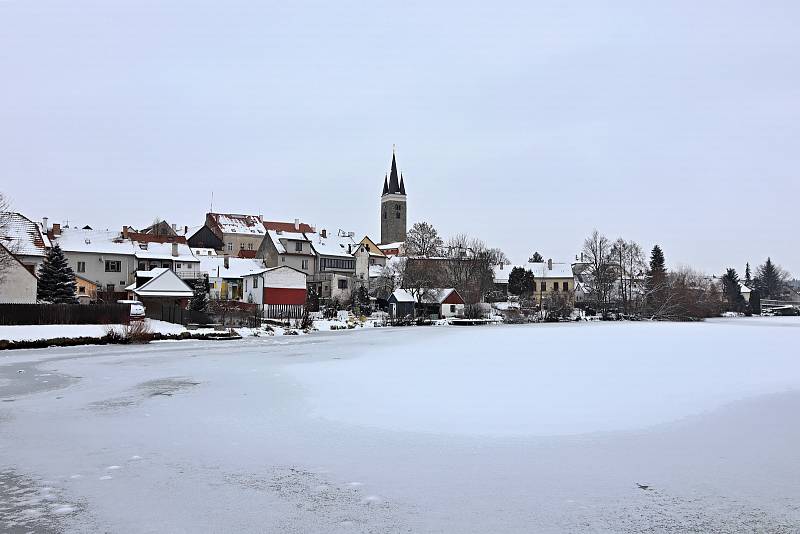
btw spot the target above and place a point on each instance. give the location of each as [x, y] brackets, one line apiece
[394, 183]
[402, 185]
[385, 185]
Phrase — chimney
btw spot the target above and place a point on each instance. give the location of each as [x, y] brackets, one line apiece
[124, 232]
[185, 230]
[44, 223]
[56, 229]
[549, 264]
[227, 261]
[297, 225]
[174, 249]
[323, 233]
[174, 227]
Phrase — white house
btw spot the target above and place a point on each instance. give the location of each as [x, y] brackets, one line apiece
[225, 274]
[17, 284]
[24, 239]
[281, 291]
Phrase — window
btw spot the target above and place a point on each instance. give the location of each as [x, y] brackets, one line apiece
[343, 283]
[544, 286]
[255, 282]
[249, 246]
[304, 264]
[113, 267]
[566, 286]
[178, 266]
[122, 282]
[229, 246]
[384, 214]
[298, 246]
[81, 266]
[283, 259]
[555, 286]
[336, 263]
[142, 265]
[452, 308]
[241, 246]
[397, 215]
[82, 290]
[110, 288]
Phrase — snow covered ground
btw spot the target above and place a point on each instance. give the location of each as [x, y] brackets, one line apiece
[529, 428]
[35, 332]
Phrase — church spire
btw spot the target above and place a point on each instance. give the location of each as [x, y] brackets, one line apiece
[385, 185]
[402, 185]
[394, 183]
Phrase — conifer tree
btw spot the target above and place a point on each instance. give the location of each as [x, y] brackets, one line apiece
[199, 300]
[748, 278]
[772, 279]
[657, 271]
[56, 279]
[536, 258]
[732, 290]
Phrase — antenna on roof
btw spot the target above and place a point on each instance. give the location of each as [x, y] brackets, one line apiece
[212, 202]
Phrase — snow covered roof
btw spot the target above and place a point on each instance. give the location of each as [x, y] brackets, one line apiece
[335, 244]
[237, 267]
[744, 289]
[277, 235]
[204, 251]
[390, 246]
[163, 251]
[230, 223]
[22, 236]
[282, 276]
[432, 296]
[97, 241]
[164, 283]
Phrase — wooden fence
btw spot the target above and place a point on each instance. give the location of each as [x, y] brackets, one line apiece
[173, 313]
[21, 314]
[283, 311]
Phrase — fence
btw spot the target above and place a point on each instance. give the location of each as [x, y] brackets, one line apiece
[20, 314]
[173, 313]
[283, 311]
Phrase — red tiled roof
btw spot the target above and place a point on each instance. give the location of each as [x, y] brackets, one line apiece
[247, 253]
[278, 226]
[150, 238]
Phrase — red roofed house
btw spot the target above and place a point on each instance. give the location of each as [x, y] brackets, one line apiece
[289, 244]
[241, 235]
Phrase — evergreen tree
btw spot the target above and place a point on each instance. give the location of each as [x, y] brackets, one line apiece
[536, 258]
[748, 279]
[520, 281]
[771, 280]
[56, 279]
[732, 291]
[199, 300]
[657, 273]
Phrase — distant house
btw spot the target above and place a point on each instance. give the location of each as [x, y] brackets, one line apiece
[86, 289]
[393, 249]
[551, 279]
[160, 287]
[241, 235]
[225, 275]
[24, 239]
[280, 292]
[204, 238]
[336, 265]
[433, 303]
[289, 245]
[18, 284]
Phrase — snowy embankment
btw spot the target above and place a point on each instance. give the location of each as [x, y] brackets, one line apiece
[36, 332]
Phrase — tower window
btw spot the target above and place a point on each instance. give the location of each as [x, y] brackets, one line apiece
[384, 214]
[397, 215]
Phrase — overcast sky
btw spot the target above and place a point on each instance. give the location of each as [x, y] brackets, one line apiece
[525, 123]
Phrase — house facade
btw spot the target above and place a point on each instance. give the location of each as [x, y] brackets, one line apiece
[241, 235]
[18, 284]
[225, 275]
[552, 280]
[336, 266]
[289, 245]
[280, 292]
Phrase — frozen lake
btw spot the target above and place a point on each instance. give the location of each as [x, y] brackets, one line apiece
[538, 428]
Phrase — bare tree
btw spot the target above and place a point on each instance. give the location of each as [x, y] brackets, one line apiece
[597, 251]
[470, 269]
[419, 278]
[423, 240]
[629, 264]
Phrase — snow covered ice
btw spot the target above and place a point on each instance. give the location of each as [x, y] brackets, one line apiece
[535, 428]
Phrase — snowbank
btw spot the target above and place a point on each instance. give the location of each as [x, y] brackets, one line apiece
[37, 332]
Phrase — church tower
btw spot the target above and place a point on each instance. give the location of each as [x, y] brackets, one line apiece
[393, 207]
